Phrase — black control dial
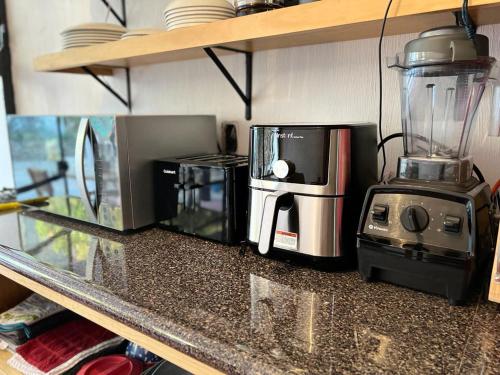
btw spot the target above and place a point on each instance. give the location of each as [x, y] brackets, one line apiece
[414, 219]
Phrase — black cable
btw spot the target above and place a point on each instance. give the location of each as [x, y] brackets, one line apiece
[478, 173]
[387, 139]
[469, 26]
[380, 133]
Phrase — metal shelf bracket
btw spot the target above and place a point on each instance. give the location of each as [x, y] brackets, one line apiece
[123, 18]
[127, 102]
[247, 95]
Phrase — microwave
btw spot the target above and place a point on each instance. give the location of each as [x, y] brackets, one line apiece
[99, 169]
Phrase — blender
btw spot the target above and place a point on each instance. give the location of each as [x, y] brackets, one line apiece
[429, 228]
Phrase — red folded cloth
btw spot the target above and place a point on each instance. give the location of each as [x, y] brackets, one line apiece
[55, 347]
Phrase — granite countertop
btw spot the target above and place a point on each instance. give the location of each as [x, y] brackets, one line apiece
[245, 314]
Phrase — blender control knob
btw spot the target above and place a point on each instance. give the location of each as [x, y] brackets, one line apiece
[282, 168]
[414, 219]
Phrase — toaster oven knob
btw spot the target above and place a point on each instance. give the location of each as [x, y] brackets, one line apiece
[415, 219]
[282, 168]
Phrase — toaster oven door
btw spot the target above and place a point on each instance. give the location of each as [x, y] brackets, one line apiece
[197, 203]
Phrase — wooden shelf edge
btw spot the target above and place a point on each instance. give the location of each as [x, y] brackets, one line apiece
[318, 22]
[96, 69]
[170, 354]
[5, 369]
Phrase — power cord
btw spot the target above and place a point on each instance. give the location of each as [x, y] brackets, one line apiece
[380, 132]
[469, 26]
[387, 139]
[478, 173]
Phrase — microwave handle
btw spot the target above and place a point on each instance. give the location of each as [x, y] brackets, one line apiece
[272, 205]
[80, 167]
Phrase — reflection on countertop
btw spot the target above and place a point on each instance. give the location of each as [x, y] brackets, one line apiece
[242, 313]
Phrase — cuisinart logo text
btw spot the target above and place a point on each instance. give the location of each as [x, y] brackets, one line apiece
[288, 136]
[168, 171]
[375, 227]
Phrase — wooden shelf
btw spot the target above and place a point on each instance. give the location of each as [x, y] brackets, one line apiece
[495, 286]
[319, 22]
[4, 367]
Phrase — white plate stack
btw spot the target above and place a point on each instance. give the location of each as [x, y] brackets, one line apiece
[88, 34]
[140, 32]
[185, 13]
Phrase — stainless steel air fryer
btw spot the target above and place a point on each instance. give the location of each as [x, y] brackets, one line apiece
[307, 184]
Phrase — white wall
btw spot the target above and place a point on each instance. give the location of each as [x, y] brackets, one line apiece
[330, 82]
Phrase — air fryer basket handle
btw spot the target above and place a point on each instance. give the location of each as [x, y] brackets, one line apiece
[272, 204]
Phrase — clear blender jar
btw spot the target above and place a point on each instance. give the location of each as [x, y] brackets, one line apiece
[443, 75]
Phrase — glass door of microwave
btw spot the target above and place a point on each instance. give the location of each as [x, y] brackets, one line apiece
[39, 146]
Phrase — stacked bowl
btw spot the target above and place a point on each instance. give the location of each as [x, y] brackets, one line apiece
[185, 13]
[88, 34]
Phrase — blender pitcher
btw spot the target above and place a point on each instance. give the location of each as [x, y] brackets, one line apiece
[443, 75]
[494, 129]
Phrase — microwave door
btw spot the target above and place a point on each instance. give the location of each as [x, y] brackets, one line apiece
[84, 147]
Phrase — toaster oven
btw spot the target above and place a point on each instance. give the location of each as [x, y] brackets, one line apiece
[203, 195]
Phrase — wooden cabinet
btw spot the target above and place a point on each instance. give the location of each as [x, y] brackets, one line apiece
[11, 293]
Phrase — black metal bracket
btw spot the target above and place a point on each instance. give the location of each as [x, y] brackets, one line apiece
[123, 18]
[247, 95]
[127, 102]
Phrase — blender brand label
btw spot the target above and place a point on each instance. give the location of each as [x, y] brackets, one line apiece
[286, 240]
[288, 136]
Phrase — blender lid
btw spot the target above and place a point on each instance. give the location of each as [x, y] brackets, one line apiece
[443, 45]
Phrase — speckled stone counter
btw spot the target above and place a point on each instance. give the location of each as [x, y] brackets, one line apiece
[245, 314]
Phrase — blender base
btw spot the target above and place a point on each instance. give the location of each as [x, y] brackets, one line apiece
[464, 187]
[455, 282]
[432, 240]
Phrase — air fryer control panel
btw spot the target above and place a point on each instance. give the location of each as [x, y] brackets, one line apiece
[420, 219]
[290, 154]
